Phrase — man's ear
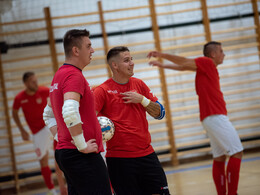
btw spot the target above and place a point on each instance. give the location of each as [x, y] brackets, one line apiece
[114, 65]
[213, 54]
[75, 51]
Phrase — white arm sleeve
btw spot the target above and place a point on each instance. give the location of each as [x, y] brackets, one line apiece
[70, 113]
[48, 117]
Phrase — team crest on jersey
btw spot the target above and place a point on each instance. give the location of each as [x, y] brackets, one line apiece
[39, 100]
[53, 87]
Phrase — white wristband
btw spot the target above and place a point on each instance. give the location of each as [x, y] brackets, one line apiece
[79, 141]
[145, 102]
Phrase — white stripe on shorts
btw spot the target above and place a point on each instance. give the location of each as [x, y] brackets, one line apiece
[224, 139]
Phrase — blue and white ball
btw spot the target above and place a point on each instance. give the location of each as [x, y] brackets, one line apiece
[107, 128]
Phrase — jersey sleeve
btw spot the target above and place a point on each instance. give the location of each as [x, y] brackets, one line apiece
[148, 93]
[99, 96]
[16, 103]
[45, 91]
[74, 83]
[204, 64]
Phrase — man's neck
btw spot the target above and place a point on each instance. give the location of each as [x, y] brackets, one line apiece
[120, 80]
[30, 92]
[74, 63]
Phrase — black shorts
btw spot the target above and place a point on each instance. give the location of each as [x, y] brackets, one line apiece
[86, 174]
[137, 176]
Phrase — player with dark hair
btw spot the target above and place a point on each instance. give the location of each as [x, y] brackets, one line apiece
[32, 100]
[72, 108]
[224, 138]
[133, 166]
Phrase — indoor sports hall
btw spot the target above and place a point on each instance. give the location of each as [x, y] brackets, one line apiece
[31, 34]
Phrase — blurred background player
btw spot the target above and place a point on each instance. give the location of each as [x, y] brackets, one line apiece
[223, 136]
[32, 100]
[72, 106]
[132, 163]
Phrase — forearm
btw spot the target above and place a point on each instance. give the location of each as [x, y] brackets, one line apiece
[153, 109]
[180, 63]
[17, 121]
[173, 58]
[174, 67]
[76, 130]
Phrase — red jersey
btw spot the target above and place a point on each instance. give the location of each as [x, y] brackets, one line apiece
[32, 106]
[211, 98]
[70, 79]
[132, 138]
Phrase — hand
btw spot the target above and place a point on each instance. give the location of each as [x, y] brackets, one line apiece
[132, 97]
[63, 190]
[156, 63]
[155, 54]
[91, 147]
[25, 135]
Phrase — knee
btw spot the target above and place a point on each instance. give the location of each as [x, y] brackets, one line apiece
[44, 161]
[221, 158]
[238, 155]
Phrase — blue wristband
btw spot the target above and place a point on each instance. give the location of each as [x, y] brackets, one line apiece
[162, 112]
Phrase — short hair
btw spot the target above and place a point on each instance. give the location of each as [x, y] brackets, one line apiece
[73, 38]
[115, 51]
[27, 75]
[209, 47]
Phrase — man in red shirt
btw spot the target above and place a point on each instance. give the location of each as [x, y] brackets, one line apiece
[132, 163]
[79, 134]
[32, 100]
[224, 138]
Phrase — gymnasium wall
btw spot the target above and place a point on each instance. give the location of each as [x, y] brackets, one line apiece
[33, 32]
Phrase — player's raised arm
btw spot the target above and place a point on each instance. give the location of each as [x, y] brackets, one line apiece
[168, 66]
[179, 63]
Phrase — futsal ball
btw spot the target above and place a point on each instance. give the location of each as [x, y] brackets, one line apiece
[107, 128]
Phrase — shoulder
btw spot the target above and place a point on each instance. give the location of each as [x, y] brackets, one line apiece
[44, 91]
[136, 80]
[102, 87]
[73, 76]
[20, 95]
[202, 60]
[18, 98]
[43, 88]
[69, 70]
[204, 63]
[109, 82]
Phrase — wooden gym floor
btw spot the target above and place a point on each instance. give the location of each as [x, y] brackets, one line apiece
[195, 178]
